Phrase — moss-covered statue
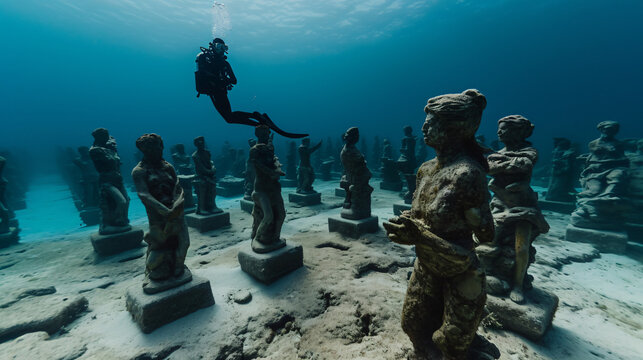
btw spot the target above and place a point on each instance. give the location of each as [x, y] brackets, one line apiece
[168, 240]
[563, 171]
[407, 163]
[514, 207]
[446, 293]
[357, 203]
[305, 171]
[205, 179]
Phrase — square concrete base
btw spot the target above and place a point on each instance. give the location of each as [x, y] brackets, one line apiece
[391, 186]
[288, 182]
[9, 238]
[153, 311]
[353, 228]
[90, 216]
[273, 265]
[247, 205]
[530, 319]
[205, 223]
[399, 207]
[340, 192]
[603, 240]
[116, 243]
[305, 199]
[557, 206]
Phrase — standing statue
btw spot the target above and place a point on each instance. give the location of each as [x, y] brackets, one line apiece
[563, 170]
[390, 175]
[205, 179]
[269, 212]
[357, 204]
[290, 179]
[158, 188]
[182, 161]
[635, 188]
[8, 233]
[446, 293]
[305, 172]
[406, 163]
[89, 178]
[514, 207]
[604, 181]
[114, 201]
[249, 174]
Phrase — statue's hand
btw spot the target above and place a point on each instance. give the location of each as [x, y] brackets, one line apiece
[402, 230]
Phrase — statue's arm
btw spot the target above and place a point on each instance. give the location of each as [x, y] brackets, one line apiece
[179, 195]
[138, 175]
[316, 147]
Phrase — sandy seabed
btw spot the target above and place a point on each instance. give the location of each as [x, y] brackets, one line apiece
[345, 303]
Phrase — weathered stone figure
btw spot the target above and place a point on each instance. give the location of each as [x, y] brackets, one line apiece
[88, 179]
[604, 181]
[563, 170]
[6, 215]
[269, 211]
[446, 293]
[249, 174]
[158, 188]
[114, 201]
[205, 180]
[305, 172]
[357, 204]
[635, 189]
[514, 206]
[407, 163]
[291, 165]
[389, 170]
[182, 161]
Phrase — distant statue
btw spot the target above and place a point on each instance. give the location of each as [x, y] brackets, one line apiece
[268, 212]
[205, 180]
[357, 204]
[168, 240]
[635, 188]
[249, 174]
[514, 207]
[114, 201]
[239, 164]
[88, 179]
[389, 166]
[305, 171]
[182, 161]
[604, 181]
[407, 163]
[563, 171]
[446, 296]
[214, 77]
[5, 212]
[291, 161]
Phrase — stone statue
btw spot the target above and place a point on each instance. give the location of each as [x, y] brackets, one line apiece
[406, 162]
[205, 179]
[357, 204]
[269, 211]
[291, 159]
[446, 293]
[390, 174]
[249, 174]
[376, 159]
[563, 170]
[239, 165]
[182, 161]
[305, 172]
[514, 206]
[168, 240]
[89, 178]
[604, 181]
[6, 215]
[635, 188]
[114, 201]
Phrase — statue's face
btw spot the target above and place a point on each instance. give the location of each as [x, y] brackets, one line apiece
[199, 143]
[431, 129]
[609, 130]
[153, 150]
[509, 132]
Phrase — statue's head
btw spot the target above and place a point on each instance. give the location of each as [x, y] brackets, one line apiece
[408, 130]
[83, 151]
[608, 128]
[199, 142]
[514, 129]
[262, 132]
[386, 142]
[151, 145]
[101, 136]
[452, 117]
[351, 136]
[562, 143]
[305, 141]
[252, 142]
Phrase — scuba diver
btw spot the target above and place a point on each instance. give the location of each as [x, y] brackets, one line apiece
[214, 77]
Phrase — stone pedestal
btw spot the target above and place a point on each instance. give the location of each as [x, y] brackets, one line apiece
[305, 199]
[288, 182]
[353, 228]
[603, 240]
[530, 319]
[247, 205]
[557, 206]
[270, 266]
[90, 216]
[115, 243]
[9, 238]
[340, 192]
[153, 311]
[399, 207]
[205, 223]
[392, 186]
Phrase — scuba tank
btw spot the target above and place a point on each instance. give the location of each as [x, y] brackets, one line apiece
[210, 75]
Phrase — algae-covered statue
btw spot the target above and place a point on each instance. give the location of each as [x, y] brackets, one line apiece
[269, 211]
[205, 179]
[407, 163]
[357, 203]
[446, 293]
[158, 188]
[182, 161]
[604, 180]
[114, 201]
[514, 207]
[390, 175]
[305, 171]
[8, 227]
[89, 178]
[563, 171]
